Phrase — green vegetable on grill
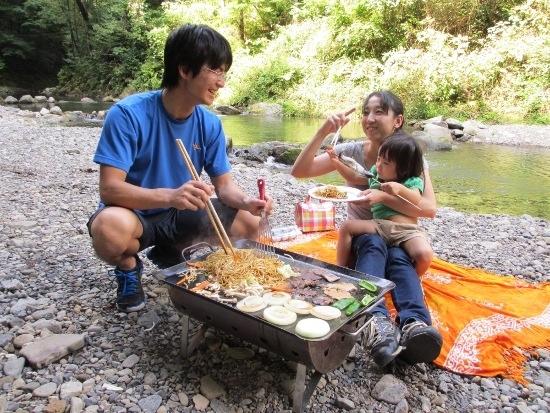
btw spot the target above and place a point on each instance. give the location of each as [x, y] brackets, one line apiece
[343, 303]
[353, 307]
[368, 300]
[368, 286]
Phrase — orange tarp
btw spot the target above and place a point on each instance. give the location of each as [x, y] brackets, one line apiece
[489, 322]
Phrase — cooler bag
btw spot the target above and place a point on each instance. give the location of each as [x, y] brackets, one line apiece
[315, 216]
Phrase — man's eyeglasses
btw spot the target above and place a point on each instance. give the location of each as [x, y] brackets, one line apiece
[221, 75]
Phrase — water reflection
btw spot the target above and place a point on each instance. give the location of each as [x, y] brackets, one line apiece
[490, 179]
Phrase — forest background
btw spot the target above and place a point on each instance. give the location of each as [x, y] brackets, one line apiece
[481, 59]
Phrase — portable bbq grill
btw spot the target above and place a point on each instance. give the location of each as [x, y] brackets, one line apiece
[322, 355]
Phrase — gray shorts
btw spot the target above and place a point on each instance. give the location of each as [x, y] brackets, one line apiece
[395, 233]
[181, 227]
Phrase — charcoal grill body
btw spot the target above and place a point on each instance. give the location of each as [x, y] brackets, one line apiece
[322, 355]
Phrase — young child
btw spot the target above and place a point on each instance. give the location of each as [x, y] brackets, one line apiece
[397, 171]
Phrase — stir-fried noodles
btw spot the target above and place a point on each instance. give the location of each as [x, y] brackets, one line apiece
[230, 271]
[331, 192]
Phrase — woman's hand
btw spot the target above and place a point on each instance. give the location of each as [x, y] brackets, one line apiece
[308, 164]
[337, 120]
[370, 197]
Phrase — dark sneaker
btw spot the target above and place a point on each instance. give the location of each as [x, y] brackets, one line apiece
[382, 337]
[421, 343]
[129, 293]
[164, 256]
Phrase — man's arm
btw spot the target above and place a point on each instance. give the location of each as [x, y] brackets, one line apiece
[114, 190]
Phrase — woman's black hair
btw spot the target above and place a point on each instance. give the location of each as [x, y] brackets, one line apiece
[194, 46]
[406, 152]
[388, 100]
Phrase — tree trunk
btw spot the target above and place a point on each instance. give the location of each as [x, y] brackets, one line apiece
[84, 14]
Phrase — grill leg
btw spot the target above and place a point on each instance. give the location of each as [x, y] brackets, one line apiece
[301, 394]
[189, 345]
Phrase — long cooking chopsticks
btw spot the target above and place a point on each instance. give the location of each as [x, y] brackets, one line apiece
[220, 231]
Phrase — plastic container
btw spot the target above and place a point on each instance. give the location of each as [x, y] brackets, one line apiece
[285, 233]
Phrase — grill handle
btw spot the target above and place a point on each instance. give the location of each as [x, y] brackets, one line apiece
[187, 252]
[357, 332]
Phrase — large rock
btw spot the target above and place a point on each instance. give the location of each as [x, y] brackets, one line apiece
[437, 138]
[227, 110]
[44, 351]
[266, 109]
[26, 99]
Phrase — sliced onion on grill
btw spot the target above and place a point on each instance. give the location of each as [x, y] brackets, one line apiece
[251, 304]
[312, 327]
[277, 314]
[299, 306]
[326, 312]
[276, 297]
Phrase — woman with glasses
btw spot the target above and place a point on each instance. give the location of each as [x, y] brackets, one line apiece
[412, 337]
[147, 194]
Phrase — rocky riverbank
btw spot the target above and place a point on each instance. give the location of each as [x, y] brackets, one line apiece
[54, 294]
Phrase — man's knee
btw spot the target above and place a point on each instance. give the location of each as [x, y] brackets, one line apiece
[117, 223]
[245, 225]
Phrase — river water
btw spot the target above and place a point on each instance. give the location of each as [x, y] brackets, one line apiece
[474, 178]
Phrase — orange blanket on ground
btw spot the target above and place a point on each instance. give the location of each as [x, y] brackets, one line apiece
[489, 322]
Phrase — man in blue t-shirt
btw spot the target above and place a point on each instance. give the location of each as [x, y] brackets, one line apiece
[148, 196]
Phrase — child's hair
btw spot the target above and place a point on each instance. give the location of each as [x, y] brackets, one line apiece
[406, 152]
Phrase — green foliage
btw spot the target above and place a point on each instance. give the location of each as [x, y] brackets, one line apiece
[31, 34]
[258, 19]
[471, 18]
[466, 58]
[265, 83]
[369, 29]
[113, 52]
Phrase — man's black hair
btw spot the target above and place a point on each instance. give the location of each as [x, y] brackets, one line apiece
[194, 46]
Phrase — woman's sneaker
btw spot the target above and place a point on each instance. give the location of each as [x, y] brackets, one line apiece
[129, 294]
[382, 338]
[421, 343]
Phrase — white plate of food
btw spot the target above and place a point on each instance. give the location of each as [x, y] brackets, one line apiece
[335, 193]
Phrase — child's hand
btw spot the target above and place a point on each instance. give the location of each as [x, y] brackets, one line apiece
[391, 188]
[332, 154]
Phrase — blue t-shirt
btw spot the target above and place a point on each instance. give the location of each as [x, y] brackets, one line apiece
[381, 211]
[139, 137]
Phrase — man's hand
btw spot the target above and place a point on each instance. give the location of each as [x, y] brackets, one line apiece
[256, 206]
[191, 195]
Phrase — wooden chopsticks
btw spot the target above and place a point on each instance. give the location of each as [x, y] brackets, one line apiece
[220, 231]
[335, 138]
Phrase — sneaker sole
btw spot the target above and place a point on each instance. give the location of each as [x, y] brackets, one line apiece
[383, 362]
[134, 308]
[423, 347]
